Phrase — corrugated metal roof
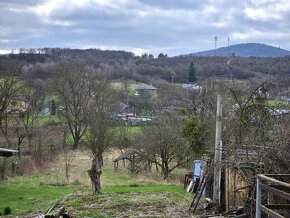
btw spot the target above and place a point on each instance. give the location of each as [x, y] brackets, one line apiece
[125, 155]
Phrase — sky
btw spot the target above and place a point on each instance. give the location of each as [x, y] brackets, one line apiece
[172, 27]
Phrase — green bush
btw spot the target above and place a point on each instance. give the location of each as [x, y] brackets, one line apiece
[7, 211]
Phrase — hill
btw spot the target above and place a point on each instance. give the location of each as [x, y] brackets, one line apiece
[246, 50]
[124, 65]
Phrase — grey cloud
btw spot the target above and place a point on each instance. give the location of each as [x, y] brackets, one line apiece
[172, 26]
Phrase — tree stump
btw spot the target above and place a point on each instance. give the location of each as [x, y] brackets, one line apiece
[95, 174]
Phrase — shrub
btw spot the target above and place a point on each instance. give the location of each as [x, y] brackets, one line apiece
[7, 211]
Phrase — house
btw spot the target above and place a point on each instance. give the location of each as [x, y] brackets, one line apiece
[145, 89]
[122, 108]
[137, 121]
[194, 87]
[17, 105]
[121, 111]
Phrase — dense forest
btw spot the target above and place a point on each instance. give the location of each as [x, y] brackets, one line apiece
[38, 63]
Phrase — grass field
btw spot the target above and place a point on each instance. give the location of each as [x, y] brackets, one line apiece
[278, 103]
[123, 194]
[27, 194]
[42, 120]
[131, 88]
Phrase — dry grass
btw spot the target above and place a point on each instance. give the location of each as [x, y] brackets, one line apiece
[123, 194]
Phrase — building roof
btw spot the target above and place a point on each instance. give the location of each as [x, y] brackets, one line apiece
[125, 155]
[120, 107]
[7, 152]
[146, 87]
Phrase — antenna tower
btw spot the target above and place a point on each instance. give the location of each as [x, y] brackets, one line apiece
[228, 46]
[215, 42]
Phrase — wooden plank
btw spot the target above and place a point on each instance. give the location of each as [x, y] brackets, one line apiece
[278, 206]
[276, 191]
[280, 187]
[278, 175]
[227, 190]
[271, 212]
[236, 190]
[263, 177]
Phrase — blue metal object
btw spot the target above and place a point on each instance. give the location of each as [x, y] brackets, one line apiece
[196, 169]
[258, 198]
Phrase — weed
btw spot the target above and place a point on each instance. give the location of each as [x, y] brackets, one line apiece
[135, 185]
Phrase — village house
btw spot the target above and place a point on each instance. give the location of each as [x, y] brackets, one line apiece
[144, 89]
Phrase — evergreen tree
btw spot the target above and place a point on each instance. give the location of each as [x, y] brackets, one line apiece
[53, 107]
[161, 55]
[191, 73]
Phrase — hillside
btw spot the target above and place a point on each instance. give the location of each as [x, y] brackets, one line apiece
[246, 50]
[125, 65]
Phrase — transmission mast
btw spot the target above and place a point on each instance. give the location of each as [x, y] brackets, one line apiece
[215, 42]
[228, 47]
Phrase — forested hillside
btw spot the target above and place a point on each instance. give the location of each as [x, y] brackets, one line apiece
[125, 65]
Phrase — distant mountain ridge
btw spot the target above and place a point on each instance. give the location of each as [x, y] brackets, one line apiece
[245, 50]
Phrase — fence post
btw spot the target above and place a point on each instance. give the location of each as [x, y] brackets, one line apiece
[258, 198]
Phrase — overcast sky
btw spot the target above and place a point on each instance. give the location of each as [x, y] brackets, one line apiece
[152, 26]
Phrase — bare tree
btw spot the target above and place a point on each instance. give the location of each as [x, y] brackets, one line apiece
[73, 85]
[9, 86]
[251, 121]
[162, 143]
[100, 134]
[32, 98]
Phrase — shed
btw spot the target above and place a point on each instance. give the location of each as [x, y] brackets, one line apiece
[130, 155]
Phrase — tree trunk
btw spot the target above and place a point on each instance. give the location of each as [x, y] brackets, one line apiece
[165, 170]
[64, 138]
[18, 148]
[3, 169]
[156, 166]
[30, 144]
[95, 174]
[100, 160]
[76, 143]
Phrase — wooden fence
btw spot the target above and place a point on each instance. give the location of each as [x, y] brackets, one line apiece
[273, 185]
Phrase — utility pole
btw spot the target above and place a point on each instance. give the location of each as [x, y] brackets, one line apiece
[218, 152]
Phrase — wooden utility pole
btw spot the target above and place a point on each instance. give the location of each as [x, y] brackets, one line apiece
[218, 152]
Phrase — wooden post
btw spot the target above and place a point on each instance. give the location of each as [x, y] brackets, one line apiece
[218, 152]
